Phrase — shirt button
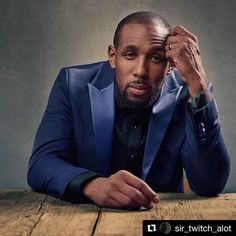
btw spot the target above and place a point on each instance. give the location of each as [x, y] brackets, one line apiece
[201, 125]
[132, 156]
[135, 127]
[203, 141]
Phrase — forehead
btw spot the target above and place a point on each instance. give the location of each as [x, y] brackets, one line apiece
[142, 33]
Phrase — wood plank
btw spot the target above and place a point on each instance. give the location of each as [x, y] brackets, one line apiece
[172, 206]
[194, 207]
[19, 211]
[63, 218]
[24, 212]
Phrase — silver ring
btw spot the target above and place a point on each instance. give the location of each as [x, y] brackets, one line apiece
[170, 46]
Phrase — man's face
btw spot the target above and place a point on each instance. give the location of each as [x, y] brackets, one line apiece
[140, 63]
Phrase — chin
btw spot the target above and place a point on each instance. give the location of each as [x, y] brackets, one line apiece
[137, 104]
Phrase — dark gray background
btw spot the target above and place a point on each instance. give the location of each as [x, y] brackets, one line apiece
[37, 38]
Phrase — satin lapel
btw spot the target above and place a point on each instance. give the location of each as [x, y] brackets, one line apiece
[103, 112]
[159, 121]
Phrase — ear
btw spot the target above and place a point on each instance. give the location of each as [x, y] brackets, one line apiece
[112, 56]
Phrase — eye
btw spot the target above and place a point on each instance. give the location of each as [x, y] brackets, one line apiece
[129, 55]
[156, 58]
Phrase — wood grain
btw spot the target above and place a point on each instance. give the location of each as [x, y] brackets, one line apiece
[24, 212]
[62, 218]
[172, 206]
[20, 210]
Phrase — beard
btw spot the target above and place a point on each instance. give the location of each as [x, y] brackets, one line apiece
[125, 102]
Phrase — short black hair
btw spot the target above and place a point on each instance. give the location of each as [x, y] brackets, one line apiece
[141, 17]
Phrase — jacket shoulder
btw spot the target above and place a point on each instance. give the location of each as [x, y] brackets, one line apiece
[83, 74]
[85, 66]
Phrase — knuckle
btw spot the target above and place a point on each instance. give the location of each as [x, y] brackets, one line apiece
[105, 200]
[185, 46]
[188, 40]
[122, 173]
[142, 185]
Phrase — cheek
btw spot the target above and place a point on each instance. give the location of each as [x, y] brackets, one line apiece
[120, 79]
[123, 75]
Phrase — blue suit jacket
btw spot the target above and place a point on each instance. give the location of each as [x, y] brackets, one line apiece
[76, 135]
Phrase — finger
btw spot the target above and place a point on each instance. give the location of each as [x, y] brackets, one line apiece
[112, 203]
[181, 46]
[124, 200]
[182, 54]
[141, 186]
[189, 45]
[176, 39]
[136, 195]
[181, 31]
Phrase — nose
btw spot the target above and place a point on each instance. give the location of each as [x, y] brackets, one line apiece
[140, 69]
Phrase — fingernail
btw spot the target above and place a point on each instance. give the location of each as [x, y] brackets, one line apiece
[156, 199]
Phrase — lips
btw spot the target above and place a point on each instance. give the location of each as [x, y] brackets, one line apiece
[139, 89]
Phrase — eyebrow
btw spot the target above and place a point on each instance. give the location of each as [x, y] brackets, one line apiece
[129, 47]
[152, 49]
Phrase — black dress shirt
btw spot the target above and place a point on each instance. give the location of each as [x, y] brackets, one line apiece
[130, 133]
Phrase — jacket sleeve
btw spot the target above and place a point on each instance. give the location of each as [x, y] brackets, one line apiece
[74, 190]
[51, 166]
[204, 154]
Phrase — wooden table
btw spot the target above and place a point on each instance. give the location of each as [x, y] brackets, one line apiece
[24, 212]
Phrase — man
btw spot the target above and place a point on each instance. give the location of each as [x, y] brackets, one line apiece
[117, 132]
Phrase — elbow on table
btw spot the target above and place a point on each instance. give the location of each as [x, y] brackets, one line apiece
[34, 181]
[213, 181]
[207, 192]
[210, 189]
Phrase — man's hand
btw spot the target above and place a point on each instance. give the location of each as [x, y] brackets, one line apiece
[182, 51]
[122, 190]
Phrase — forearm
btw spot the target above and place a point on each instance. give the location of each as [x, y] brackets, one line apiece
[51, 174]
[206, 160]
[51, 167]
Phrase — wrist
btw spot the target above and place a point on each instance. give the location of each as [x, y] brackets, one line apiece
[196, 88]
[196, 83]
[92, 187]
